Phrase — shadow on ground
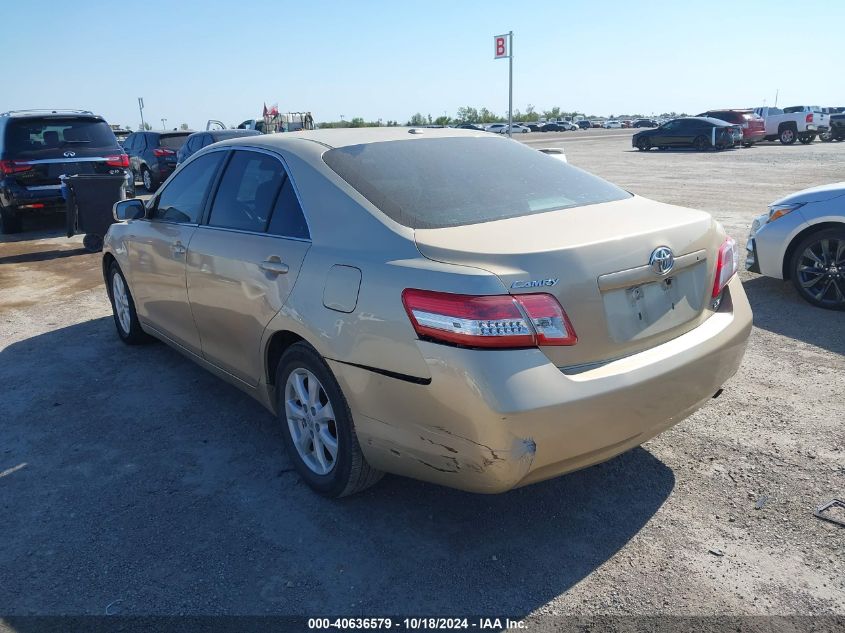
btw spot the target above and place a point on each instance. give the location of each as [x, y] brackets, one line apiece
[133, 480]
[778, 308]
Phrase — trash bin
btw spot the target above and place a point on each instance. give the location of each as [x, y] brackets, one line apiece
[89, 200]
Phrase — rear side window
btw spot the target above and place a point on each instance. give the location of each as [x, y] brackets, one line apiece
[47, 136]
[183, 198]
[288, 220]
[247, 192]
[172, 141]
[436, 183]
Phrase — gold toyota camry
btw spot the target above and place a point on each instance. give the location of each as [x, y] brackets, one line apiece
[447, 305]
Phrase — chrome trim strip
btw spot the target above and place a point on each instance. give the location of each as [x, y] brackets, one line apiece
[50, 161]
[257, 233]
[43, 187]
[645, 274]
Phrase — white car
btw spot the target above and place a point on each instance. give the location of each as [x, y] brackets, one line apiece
[568, 125]
[495, 128]
[802, 238]
[612, 124]
[516, 128]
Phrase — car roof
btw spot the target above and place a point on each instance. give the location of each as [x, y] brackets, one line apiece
[346, 137]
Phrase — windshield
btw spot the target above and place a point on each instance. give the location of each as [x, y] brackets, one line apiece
[37, 137]
[437, 183]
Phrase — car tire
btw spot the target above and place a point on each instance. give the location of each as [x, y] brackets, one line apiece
[662, 148]
[10, 221]
[308, 436]
[700, 143]
[123, 309]
[747, 144]
[787, 136]
[149, 181]
[825, 137]
[92, 242]
[811, 265]
[644, 144]
[806, 139]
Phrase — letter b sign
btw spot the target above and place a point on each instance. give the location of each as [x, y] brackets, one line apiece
[501, 46]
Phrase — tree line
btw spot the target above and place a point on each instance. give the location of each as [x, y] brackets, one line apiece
[469, 114]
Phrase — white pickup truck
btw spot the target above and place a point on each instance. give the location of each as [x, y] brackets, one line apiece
[796, 123]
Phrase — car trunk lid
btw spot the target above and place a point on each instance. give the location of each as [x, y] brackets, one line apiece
[595, 260]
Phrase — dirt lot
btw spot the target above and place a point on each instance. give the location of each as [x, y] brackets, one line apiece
[133, 482]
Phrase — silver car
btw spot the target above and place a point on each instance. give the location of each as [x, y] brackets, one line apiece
[802, 238]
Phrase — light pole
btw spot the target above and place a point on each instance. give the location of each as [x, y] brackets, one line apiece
[163, 127]
[141, 110]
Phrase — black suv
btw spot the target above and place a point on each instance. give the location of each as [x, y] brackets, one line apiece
[152, 155]
[38, 146]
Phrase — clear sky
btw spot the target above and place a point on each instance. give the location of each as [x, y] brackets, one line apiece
[196, 60]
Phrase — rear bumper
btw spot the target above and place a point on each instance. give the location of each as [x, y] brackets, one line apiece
[31, 198]
[753, 136]
[490, 421]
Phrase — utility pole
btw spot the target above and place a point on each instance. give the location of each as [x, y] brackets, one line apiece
[162, 124]
[510, 84]
[141, 110]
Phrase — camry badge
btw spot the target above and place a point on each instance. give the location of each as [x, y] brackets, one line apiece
[534, 283]
[70, 154]
[662, 260]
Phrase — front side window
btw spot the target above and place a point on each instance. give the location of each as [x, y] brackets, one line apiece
[247, 192]
[183, 198]
[436, 183]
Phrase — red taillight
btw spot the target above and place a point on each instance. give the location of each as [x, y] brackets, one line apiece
[527, 320]
[163, 152]
[119, 160]
[9, 167]
[727, 263]
[809, 118]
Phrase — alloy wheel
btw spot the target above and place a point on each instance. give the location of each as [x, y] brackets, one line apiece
[821, 272]
[311, 421]
[121, 303]
[148, 180]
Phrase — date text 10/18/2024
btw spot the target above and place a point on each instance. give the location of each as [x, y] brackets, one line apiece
[414, 624]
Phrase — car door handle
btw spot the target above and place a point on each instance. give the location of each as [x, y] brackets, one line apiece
[178, 249]
[274, 265]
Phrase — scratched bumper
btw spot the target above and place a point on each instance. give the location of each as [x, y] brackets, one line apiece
[495, 420]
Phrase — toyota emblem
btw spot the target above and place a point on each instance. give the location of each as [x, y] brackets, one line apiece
[662, 260]
[70, 154]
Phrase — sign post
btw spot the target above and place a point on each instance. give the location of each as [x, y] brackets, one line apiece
[503, 47]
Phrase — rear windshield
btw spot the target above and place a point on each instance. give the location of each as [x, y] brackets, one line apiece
[730, 117]
[40, 137]
[437, 183]
[172, 141]
[793, 109]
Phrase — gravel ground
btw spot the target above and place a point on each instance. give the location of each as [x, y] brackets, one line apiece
[133, 482]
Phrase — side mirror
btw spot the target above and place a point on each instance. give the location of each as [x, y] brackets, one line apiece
[132, 209]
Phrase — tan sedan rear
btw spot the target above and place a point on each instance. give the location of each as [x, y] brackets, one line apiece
[441, 304]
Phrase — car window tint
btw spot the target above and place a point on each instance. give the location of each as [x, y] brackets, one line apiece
[182, 199]
[247, 192]
[288, 220]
